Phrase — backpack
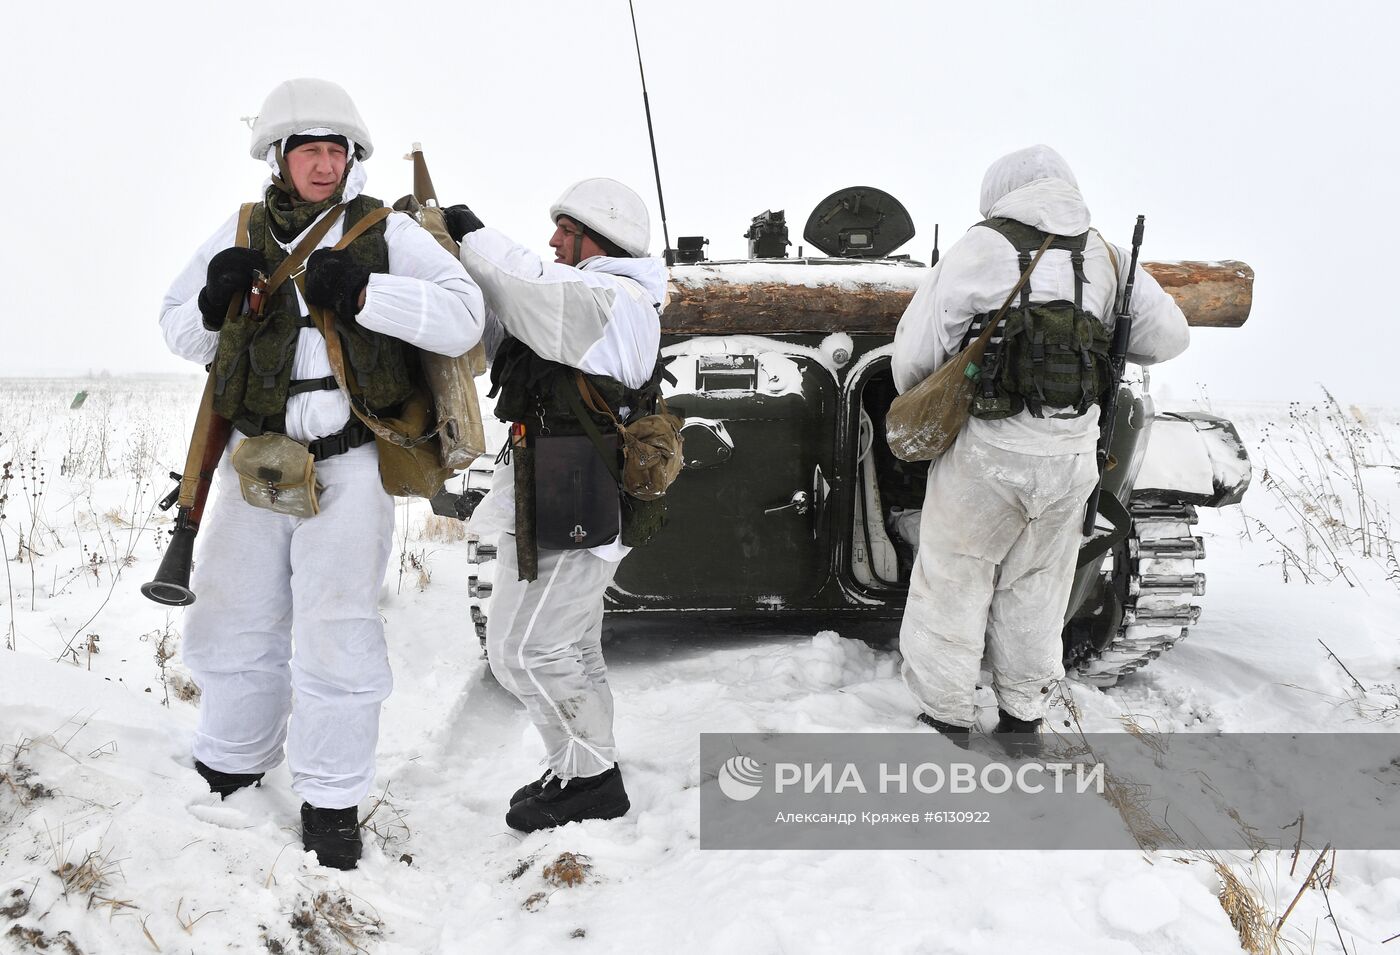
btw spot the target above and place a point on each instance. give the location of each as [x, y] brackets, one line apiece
[1051, 354]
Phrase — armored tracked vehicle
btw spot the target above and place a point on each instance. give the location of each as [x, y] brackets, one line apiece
[792, 515]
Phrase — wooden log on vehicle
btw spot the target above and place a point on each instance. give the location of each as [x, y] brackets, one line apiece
[777, 297]
[1212, 294]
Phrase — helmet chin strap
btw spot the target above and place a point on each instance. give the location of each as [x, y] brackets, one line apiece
[578, 248]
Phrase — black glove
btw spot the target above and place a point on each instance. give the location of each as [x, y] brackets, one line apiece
[461, 221]
[334, 280]
[230, 273]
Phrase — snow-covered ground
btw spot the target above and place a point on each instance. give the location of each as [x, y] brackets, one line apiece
[109, 842]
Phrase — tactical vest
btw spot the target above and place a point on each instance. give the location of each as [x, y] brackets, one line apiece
[535, 391]
[253, 365]
[1048, 354]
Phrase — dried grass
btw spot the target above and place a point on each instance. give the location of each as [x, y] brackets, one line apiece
[1247, 912]
[88, 875]
[568, 870]
[388, 823]
[442, 530]
[18, 775]
[16, 905]
[37, 941]
[1242, 894]
[327, 924]
[1132, 803]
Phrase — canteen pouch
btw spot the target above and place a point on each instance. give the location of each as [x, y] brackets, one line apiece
[652, 455]
[277, 474]
[576, 499]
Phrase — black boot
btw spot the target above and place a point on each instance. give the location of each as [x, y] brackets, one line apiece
[536, 787]
[226, 784]
[1020, 738]
[333, 834]
[959, 736]
[583, 797]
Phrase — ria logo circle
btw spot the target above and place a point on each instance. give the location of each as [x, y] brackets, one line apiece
[740, 778]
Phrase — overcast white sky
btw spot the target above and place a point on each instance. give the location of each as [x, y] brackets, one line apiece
[1249, 130]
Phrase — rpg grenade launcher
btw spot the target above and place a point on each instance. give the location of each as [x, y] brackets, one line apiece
[171, 585]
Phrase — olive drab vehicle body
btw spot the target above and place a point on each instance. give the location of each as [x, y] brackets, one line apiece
[787, 516]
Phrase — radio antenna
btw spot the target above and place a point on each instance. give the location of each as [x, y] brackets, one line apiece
[655, 166]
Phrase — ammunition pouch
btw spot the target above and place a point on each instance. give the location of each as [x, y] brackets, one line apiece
[277, 474]
[1051, 354]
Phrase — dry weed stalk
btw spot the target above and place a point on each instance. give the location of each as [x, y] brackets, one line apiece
[1132, 802]
[1315, 470]
[386, 821]
[18, 775]
[1245, 904]
[147, 932]
[1377, 703]
[89, 875]
[188, 923]
[164, 642]
[1246, 910]
[321, 918]
[6, 476]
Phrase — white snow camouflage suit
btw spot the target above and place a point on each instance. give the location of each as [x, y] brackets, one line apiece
[262, 578]
[544, 637]
[1001, 518]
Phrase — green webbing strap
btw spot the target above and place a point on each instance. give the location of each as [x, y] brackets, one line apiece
[304, 385]
[1037, 363]
[608, 455]
[991, 378]
[1122, 522]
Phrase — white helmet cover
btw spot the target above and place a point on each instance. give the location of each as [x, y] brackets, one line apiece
[610, 209]
[307, 103]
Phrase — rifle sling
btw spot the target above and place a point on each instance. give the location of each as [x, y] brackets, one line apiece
[1122, 521]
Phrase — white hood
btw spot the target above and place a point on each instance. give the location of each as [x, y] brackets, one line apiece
[1037, 187]
[354, 182]
[649, 272]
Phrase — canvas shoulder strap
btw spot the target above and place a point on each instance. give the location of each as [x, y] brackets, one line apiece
[1117, 276]
[293, 262]
[242, 240]
[1024, 238]
[325, 323]
[986, 335]
[585, 394]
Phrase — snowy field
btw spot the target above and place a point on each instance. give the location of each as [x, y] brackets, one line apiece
[109, 842]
